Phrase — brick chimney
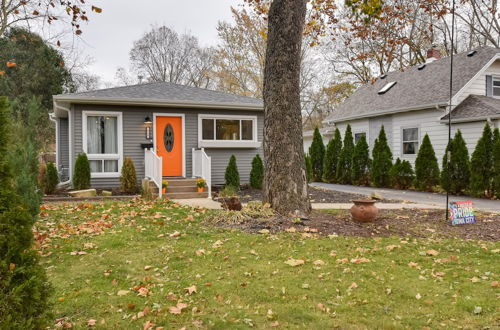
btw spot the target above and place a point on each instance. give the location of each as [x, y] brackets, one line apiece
[433, 54]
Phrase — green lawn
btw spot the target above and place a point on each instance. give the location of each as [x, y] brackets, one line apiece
[121, 265]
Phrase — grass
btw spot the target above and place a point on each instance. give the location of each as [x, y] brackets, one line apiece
[241, 280]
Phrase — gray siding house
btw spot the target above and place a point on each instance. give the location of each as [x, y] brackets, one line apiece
[415, 102]
[168, 130]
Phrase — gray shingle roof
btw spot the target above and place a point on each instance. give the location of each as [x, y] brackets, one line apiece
[166, 92]
[476, 106]
[415, 88]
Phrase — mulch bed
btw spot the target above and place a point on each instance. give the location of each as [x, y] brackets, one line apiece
[316, 195]
[414, 223]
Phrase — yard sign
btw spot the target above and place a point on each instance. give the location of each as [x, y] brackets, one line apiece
[461, 212]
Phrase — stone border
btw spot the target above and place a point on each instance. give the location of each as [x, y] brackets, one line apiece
[56, 199]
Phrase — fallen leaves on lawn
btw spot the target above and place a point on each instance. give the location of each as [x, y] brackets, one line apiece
[319, 262]
[359, 260]
[432, 253]
[294, 262]
[143, 292]
[494, 284]
[91, 322]
[122, 292]
[353, 285]
[190, 290]
[177, 309]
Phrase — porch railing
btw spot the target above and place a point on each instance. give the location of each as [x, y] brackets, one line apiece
[202, 167]
[153, 168]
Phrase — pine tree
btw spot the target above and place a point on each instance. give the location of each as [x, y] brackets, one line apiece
[24, 288]
[361, 163]
[232, 175]
[51, 178]
[496, 167]
[344, 167]
[456, 179]
[426, 166]
[482, 164]
[317, 154]
[81, 177]
[309, 168]
[128, 178]
[401, 174]
[257, 173]
[332, 155]
[382, 161]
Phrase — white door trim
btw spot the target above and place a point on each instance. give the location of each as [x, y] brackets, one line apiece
[183, 124]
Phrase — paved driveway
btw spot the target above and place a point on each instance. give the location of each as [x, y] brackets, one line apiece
[413, 196]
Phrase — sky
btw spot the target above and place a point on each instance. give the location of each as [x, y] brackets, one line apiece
[109, 36]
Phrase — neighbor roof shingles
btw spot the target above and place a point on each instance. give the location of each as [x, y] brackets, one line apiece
[476, 106]
[166, 92]
[414, 88]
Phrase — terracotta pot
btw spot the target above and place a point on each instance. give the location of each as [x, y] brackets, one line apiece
[200, 189]
[364, 210]
[163, 191]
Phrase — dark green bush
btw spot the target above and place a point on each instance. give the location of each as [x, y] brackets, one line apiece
[232, 175]
[24, 289]
[401, 174]
[426, 166]
[482, 164]
[382, 161]
[361, 163]
[309, 169]
[128, 178]
[496, 167]
[332, 154]
[257, 173]
[455, 175]
[81, 176]
[344, 167]
[51, 178]
[317, 154]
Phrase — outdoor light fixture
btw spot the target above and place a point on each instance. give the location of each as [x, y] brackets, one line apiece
[148, 122]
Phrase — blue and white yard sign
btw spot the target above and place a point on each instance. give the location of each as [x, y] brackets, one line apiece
[461, 212]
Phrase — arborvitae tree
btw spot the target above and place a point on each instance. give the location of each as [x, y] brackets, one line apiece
[482, 164]
[317, 154]
[401, 174]
[496, 167]
[81, 177]
[456, 179]
[426, 166]
[128, 178]
[332, 156]
[24, 288]
[361, 163]
[51, 178]
[309, 168]
[496, 135]
[232, 175]
[382, 161]
[257, 173]
[344, 166]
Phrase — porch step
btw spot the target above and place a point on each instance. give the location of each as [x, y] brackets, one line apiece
[180, 182]
[175, 189]
[187, 195]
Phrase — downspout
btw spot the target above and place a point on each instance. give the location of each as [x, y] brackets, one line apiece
[70, 143]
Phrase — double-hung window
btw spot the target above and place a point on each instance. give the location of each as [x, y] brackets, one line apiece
[357, 136]
[496, 86]
[410, 141]
[227, 131]
[102, 142]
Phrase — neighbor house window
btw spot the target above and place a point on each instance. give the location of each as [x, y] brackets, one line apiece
[496, 86]
[227, 131]
[358, 136]
[410, 141]
[102, 142]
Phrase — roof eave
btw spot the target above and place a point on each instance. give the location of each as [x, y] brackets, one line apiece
[388, 112]
[470, 119]
[157, 103]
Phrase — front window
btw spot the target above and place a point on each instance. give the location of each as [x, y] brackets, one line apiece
[101, 143]
[410, 141]
[357, 136]
[496, 86]
[222, 129]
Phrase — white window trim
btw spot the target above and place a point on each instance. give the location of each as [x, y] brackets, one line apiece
[254, 143]
[183, 124]
[493, 78]
[403, 141]
[118, 156]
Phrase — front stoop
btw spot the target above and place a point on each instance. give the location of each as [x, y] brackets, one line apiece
[180, 188]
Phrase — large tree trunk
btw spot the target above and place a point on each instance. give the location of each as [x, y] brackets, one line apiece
[285, 175]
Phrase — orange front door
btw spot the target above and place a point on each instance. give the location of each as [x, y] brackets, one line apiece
[169, 144]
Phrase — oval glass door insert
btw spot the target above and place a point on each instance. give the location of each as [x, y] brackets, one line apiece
[168, 138]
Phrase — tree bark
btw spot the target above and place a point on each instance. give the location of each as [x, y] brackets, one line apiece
[285, 175]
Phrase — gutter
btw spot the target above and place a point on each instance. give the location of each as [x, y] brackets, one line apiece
[157, 103]
[388, 112]
[469, 119]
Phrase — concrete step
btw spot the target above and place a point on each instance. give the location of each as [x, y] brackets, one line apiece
[176, 189]
[187, 195]
[181, 182]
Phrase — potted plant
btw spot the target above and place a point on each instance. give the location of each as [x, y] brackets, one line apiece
[164, 185]
[201, 184]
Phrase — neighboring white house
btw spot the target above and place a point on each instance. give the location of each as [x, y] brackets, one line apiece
[414, 102]
[326, 134]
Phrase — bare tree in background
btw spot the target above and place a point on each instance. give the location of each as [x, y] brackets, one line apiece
[164, 55]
